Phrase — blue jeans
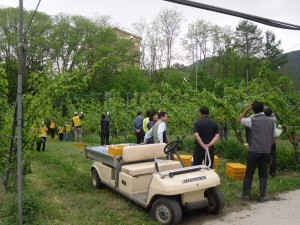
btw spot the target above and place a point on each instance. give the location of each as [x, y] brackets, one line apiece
[68, 135]
[257, 160]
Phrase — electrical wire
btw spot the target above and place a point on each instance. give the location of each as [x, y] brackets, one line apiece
[31, 20]
[257, 19]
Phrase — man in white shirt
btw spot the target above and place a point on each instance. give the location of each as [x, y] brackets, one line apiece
[158, 131]
[262, 133]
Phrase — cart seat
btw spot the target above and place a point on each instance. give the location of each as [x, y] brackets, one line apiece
[149, 167]
[138, 153]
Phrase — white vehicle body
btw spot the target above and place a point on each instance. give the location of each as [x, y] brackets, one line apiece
[145, 175]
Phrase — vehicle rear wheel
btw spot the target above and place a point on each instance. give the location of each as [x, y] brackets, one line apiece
[96, 179]
[215, 200]
[166, 211]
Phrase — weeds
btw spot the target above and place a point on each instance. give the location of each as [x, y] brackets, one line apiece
[59, 190]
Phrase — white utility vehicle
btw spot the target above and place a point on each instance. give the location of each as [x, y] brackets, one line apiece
[145, 175]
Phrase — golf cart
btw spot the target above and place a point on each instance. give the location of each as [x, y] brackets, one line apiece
[146, 175]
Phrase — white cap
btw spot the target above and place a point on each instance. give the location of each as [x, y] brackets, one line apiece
[75, 113]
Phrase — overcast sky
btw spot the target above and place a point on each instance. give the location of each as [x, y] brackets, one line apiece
[126, 12]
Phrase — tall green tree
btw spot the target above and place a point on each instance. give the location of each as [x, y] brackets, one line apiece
[272, 51]
[248, 42]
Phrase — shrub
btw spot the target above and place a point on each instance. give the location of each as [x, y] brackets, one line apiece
[231, 149]
[285, 158]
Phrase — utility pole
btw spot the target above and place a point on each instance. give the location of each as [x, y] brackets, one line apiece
[196, 66]
[21, 61]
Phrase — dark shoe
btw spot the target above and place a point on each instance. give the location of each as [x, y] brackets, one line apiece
[245, 197]
[263, 199]
[262, 190]
[272, 174]
[247, 185]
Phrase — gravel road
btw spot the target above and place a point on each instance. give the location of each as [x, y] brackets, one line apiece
[284, 210]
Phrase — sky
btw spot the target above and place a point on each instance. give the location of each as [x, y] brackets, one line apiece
[124, 13]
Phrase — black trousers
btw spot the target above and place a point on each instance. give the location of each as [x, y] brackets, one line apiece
[257, 160]
[104, 137]
[139, 137]
[199, 156]
[52, 132]
[41, 143]
[272, 170]
[61, 136]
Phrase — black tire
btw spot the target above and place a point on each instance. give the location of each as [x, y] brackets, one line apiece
[166, 211]
[96, 179]
[215, 199]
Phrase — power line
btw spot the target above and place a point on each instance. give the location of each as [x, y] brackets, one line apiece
[257, 19]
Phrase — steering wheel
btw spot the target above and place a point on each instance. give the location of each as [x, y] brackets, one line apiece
[172, 147]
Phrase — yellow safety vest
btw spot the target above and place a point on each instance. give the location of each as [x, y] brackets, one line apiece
[68, 127]
[61, 130]
[43, 132]
[52, 125]
[77, 121]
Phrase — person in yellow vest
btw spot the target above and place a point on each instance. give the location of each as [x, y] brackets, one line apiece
[52, 128]
[146, 121]
[61, 131]
[77, 126]
[41, 142]
[68, 131]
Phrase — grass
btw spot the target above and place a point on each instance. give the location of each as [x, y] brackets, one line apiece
[59, 191]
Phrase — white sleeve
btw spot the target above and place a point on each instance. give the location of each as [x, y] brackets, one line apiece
[160, 132]
[246, 122]
[148, 135]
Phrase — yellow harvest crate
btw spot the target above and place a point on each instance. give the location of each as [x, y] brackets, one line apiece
[216, 162]
[115, 150]
[79, 144]
[235, 171]
[185, 158]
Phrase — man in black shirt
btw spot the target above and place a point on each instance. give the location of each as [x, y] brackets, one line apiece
[104, 133]
[206, 132]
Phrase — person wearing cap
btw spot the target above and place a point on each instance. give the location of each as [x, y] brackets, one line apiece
[262, 133]
[77, 126]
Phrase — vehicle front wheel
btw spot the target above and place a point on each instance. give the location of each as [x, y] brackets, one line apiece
[96, 179]
[166, 211]
[215, 200]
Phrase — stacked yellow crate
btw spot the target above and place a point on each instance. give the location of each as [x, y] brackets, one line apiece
[216, 162]
[115, 150]
[185, 158]
[235, 171]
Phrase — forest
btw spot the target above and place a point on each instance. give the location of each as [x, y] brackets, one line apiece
[74, 63]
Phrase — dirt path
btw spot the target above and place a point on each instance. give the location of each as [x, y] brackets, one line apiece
[285, 210]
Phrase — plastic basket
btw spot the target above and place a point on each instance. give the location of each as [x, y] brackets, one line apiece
[185, 158]
[235, 171]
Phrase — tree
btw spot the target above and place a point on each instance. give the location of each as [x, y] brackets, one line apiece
[248, 42]
[272, 51]
[169, 22]
[131, 80]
